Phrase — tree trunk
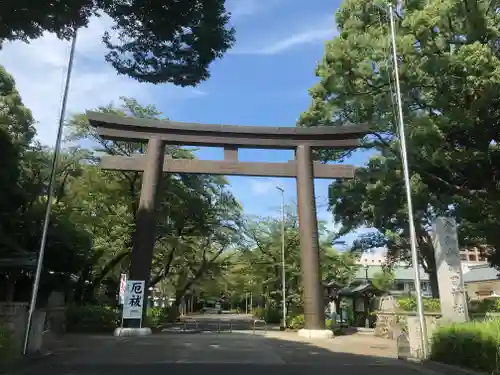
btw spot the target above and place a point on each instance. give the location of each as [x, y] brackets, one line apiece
[433, 281]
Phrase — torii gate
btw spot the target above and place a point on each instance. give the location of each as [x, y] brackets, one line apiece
[158, 133]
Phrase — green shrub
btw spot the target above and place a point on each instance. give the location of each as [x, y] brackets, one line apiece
[271, 315]
[296, 322]
[474, 345]
[329, 324]
[92, 318]
[410, 304]
[158, 316]
[485, 306]
[8, 347]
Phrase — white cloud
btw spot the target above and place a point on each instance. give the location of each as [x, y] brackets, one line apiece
[295, 40]
[318, 32]
[244, 8]
[263, 186]
[39, 69]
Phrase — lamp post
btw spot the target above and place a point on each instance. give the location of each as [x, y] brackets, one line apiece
[283, 275]
[50, 193]
[409, 204]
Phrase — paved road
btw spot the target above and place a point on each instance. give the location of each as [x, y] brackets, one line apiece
[243, 353]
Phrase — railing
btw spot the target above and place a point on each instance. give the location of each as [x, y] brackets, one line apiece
[259, 321]
[187, 321]
[224, 325]
[229, 324]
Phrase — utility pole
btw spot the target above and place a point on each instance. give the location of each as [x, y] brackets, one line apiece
[50, 193]
[404, 157]
[283, 268]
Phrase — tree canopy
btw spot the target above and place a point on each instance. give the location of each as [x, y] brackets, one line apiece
[256, 268]
[163, 41]
[450, 80]
[93, 217]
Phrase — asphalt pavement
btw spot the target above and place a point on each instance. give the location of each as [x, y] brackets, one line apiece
[216, 354]
[212, 353]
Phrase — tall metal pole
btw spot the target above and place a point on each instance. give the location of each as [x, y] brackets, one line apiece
[48, 209]
[283, 268]
[413, 239]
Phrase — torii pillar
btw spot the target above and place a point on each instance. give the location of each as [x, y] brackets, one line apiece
[314, 312]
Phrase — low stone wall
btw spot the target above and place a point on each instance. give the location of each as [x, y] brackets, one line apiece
[46, 324]
[390, 325]
[14, 316]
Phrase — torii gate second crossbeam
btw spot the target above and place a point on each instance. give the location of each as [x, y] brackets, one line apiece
[158, 133]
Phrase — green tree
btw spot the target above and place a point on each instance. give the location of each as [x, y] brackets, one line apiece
[374, 199]
[197, 217]
[164, 41]
[449, 73]
[16, 133]
[258, 268]
[384, 280]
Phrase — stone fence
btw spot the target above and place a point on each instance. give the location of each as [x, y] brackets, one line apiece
[46, 323]
[391, 324]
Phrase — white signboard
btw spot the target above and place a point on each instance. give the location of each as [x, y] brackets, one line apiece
[134, 298]
[123, 288]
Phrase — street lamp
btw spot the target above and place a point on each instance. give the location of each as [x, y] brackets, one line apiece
[283, 277]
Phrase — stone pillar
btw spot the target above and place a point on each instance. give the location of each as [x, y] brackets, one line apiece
[35, 342]
[145, 231]
[449, 271]
[314, 313]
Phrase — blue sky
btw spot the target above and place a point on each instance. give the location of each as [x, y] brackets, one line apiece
[262, 81]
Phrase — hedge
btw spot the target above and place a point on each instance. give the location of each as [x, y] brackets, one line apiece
[8, 347]
[92, 318]
[410, 304]
[271, 315]
[100, 319]
[474, 345]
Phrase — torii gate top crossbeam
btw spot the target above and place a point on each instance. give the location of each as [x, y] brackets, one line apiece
[122, 128]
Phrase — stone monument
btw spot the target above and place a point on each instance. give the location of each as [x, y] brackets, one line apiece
[449, 271]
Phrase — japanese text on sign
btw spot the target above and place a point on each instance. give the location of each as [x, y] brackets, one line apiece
[134, 298]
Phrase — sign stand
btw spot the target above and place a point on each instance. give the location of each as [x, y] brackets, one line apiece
[133, 303]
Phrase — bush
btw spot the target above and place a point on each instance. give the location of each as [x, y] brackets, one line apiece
[92, 318]
[485, 306]
[296, 322]
[329, 324]
[270, 314]
[8, 347]
[474, 345]
[157, 316]
[410, 304]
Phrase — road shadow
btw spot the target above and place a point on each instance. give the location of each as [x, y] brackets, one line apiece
[216, 354]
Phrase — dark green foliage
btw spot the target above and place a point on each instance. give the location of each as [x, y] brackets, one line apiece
[485, 306]
[153, 41]
[158, 316]
[92, 319]
[270, 314]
